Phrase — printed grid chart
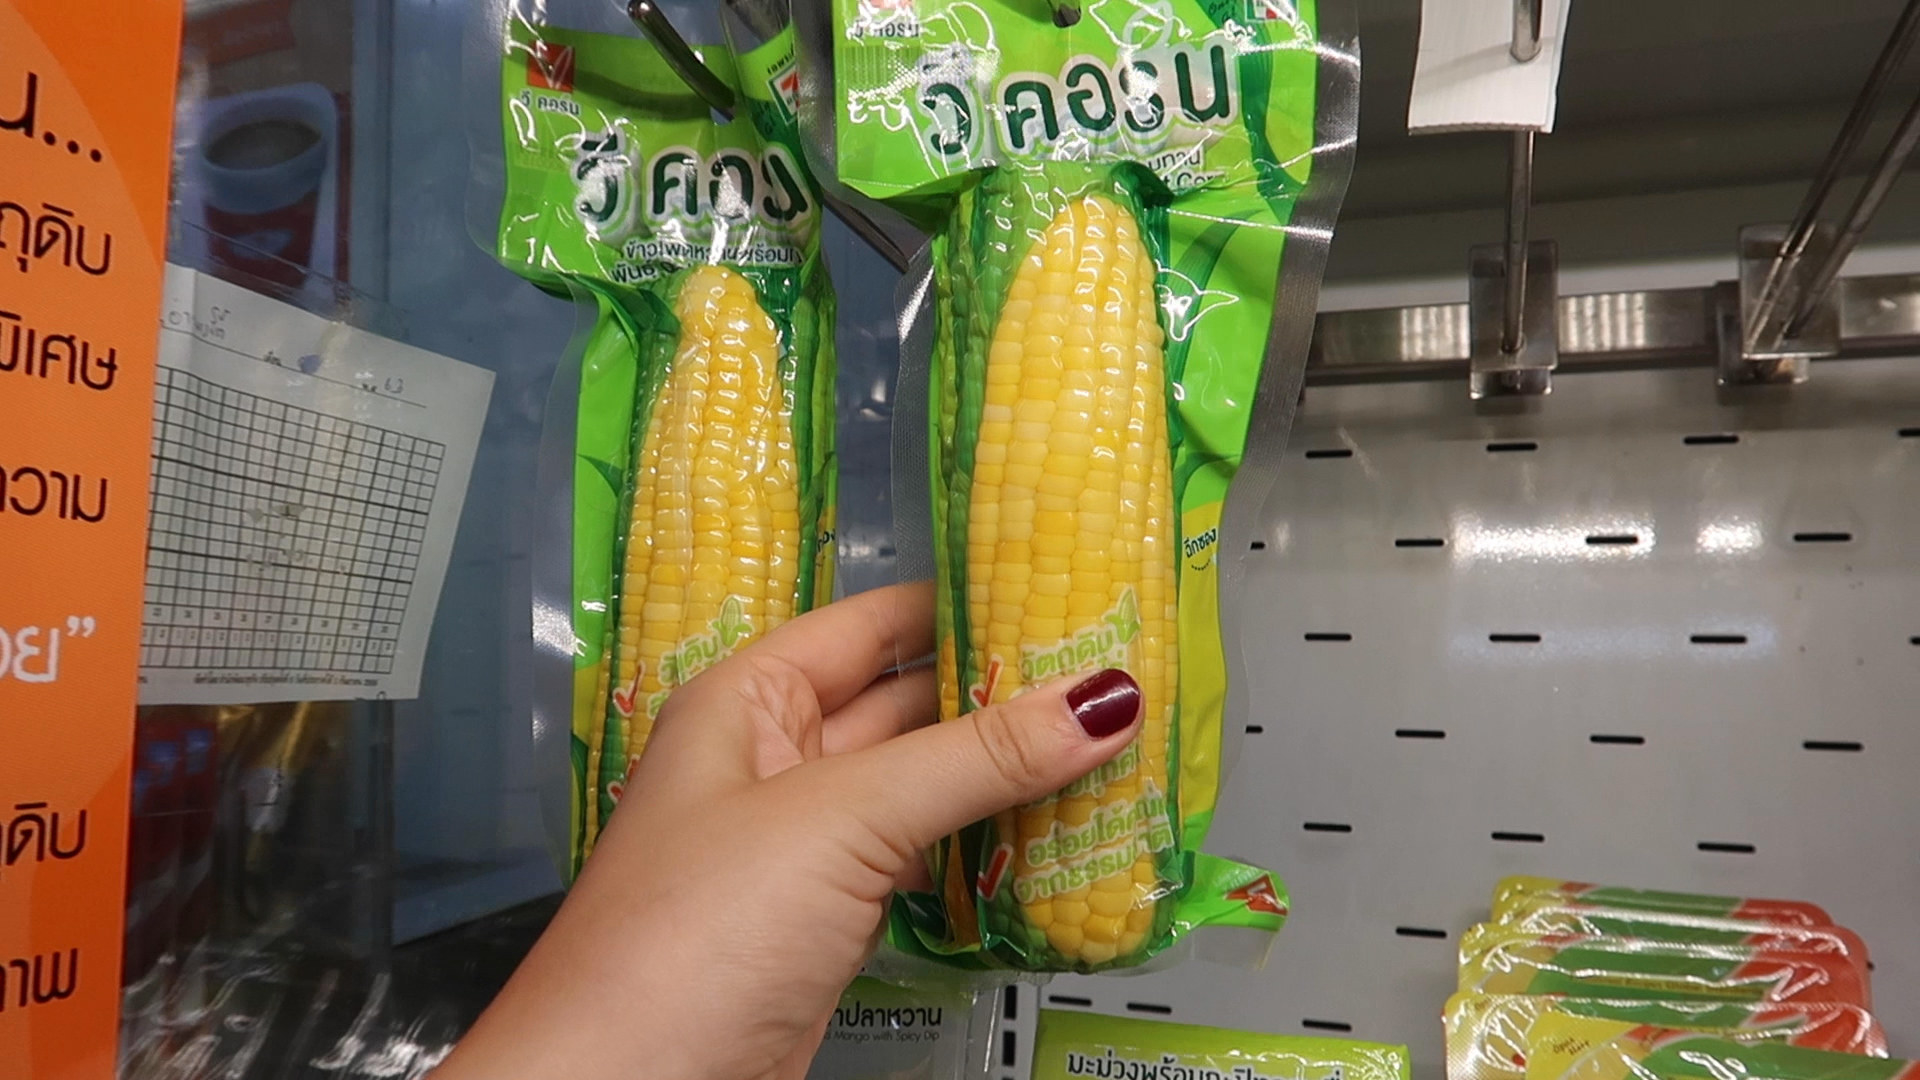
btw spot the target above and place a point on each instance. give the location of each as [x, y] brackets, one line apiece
[281, 538]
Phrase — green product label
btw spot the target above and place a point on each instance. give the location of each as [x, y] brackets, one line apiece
[624, 189]
[885, 1032]
[1075, 1046]
[1693, 1057]
[1203, 93]
[1183, 129]
[616, 171]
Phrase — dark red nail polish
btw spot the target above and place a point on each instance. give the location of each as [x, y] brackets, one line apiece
[1105, 703]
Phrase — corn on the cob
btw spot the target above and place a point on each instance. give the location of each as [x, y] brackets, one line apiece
[1070, 562]
[713, 542]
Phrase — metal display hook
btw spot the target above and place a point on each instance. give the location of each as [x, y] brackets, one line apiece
[1786, 313]
[1515, 353]
[680, 56]
[659, 29]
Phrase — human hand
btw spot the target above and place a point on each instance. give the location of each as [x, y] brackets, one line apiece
[744, 879]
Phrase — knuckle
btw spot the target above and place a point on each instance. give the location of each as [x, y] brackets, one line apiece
[1011, 749]
[769, 686]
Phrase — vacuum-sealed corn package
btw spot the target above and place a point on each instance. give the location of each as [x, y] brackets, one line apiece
[1488, 1034]
[1127, 217]
[1067, 1045]
[703, 478]
[1561, 1050]
[1515, 893]
[1519, 963]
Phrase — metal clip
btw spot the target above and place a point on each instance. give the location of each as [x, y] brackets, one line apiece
[1767, 354]
[1494, 370]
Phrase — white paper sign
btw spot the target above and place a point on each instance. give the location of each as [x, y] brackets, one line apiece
[307, 483]
[1466, 78]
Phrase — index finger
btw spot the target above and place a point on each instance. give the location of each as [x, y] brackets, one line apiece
[843, 647]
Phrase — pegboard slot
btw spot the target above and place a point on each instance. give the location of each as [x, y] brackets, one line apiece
[1520, 447]
[1258, 545]
[1910, 432]
[1074, 1002]
[1009, 1004]
[1612, 540]
[1318, 455]
[1328, 636]
[1725, 848]
[1327, 826]
[1327, 1025]
[1514, 639]
[1618, 740]
[1718, 439]
[1833, 745]
[1434, 933]
[1718, 639]
[1009, 1047]
[1256, 729]
[1149, 1007]
[1822, 537]
[1419, 542]
[1418, 733]
[1520, 837]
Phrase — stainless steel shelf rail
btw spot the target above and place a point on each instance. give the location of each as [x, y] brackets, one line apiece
[1613, 331]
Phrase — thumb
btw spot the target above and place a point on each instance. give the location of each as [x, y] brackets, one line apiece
[919, 787]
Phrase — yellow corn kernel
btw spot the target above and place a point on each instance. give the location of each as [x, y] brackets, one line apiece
[1075, 532]
[713, 544]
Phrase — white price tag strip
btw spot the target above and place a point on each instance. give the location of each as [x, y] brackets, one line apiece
[1466, 77]
[307, 484]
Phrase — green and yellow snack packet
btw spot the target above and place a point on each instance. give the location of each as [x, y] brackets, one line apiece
[1123, 258]
[1497, 961]
[1076, 1045]
[703, 486]
[1550, 917]
[1516, 892]
[1488, 1034]
[1563, 1048]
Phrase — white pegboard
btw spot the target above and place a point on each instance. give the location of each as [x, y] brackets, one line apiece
[1642, 632]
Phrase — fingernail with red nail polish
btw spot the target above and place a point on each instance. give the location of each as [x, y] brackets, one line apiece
[1105, 703]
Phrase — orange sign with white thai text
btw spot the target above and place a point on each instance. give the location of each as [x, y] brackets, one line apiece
[86, 111]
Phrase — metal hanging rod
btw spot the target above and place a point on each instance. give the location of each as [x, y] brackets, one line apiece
[1519, 202]
[1885, 172]
[680, 56]
[1763, 327]
[1527, 16]
[1511, 286]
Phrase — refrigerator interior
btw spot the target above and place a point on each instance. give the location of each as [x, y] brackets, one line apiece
[1713, 705]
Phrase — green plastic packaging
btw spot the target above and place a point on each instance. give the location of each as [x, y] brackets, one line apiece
[625, 190]
[1488, 1034]
[1520, 891]
[1563, 919]
[1560, 1048]
[1201, 140]
[1496, 960]
[1076, 1045]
